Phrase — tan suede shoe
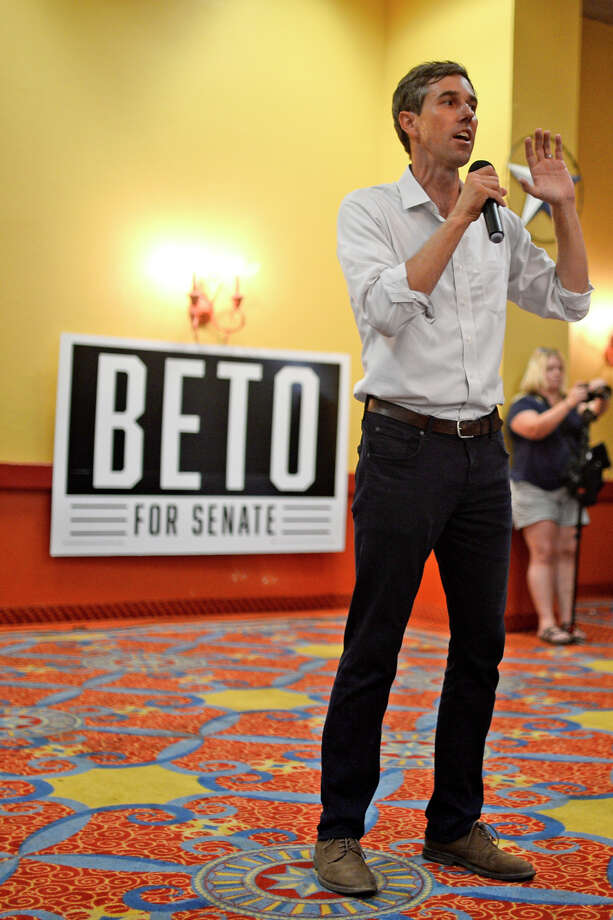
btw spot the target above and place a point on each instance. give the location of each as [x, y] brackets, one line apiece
[479, 852]
[341, 867]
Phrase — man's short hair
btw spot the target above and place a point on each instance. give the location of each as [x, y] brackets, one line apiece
[410, 93]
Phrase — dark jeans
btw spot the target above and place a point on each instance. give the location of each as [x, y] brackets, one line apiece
[417, 491]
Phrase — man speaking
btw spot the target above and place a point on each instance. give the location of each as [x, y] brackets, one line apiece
[429, 286]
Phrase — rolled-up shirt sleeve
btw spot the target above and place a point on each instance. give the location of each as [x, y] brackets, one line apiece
[534, 284]
[377, 281]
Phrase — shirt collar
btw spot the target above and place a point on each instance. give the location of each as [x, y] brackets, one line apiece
[411, 192]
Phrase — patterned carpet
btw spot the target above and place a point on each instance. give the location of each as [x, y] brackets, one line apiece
[171, 771]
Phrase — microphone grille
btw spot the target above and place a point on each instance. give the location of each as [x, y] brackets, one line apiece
[478, 164]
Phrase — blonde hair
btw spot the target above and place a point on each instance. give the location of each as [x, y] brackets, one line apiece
[533, 380]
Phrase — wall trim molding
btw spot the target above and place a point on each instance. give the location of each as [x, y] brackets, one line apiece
[26, 476]
[179, 607]
[38, 477]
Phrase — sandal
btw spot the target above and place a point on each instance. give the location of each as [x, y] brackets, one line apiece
[577, 635]
[555, 636]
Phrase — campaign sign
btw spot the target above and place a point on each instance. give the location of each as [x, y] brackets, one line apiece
[165, 449]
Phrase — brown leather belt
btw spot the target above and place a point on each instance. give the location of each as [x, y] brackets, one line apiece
[462, 428]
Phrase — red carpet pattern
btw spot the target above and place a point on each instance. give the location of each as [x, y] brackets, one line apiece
[170, 771]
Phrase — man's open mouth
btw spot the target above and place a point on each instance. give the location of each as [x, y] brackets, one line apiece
[463, 136]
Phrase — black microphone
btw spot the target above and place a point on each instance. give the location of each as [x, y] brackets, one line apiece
[490, 210]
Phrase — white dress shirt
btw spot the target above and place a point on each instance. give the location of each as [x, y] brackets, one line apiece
[439, 354]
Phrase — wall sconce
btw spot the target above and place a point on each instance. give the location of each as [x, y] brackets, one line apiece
[215, 299]
[202, 310]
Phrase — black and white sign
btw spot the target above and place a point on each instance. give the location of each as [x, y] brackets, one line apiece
[168, 449]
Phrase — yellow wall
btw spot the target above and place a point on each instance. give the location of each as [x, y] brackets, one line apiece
[478, 34]
[546, 78]
[130, 125]
[588, 338]
[236, 126]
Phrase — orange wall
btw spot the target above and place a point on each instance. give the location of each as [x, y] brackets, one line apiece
[34, 583]
[32, 579]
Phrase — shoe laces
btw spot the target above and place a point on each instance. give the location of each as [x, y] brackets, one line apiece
[488, 832]
[347, 845]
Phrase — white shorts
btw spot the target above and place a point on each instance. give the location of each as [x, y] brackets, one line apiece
[532, 504]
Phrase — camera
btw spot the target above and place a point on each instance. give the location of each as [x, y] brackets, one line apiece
[603, 392]
[584, 475]
[584, 472]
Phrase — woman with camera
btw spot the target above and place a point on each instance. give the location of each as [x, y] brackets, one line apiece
[545, 424]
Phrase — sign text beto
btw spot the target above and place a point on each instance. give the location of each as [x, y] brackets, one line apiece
[170, 449]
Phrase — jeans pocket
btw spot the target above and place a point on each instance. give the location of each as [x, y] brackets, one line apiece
[391, 441]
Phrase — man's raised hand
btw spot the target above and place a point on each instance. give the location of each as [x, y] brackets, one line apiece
[551, 180]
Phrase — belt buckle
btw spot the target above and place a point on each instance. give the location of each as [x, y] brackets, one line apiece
[464, 437]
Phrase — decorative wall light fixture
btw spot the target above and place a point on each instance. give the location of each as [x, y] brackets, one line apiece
[202, 309]
[215, 299]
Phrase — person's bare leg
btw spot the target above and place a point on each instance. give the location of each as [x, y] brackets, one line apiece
[565, 572]
[542, 540]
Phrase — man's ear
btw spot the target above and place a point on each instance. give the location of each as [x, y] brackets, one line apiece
[408, 123]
